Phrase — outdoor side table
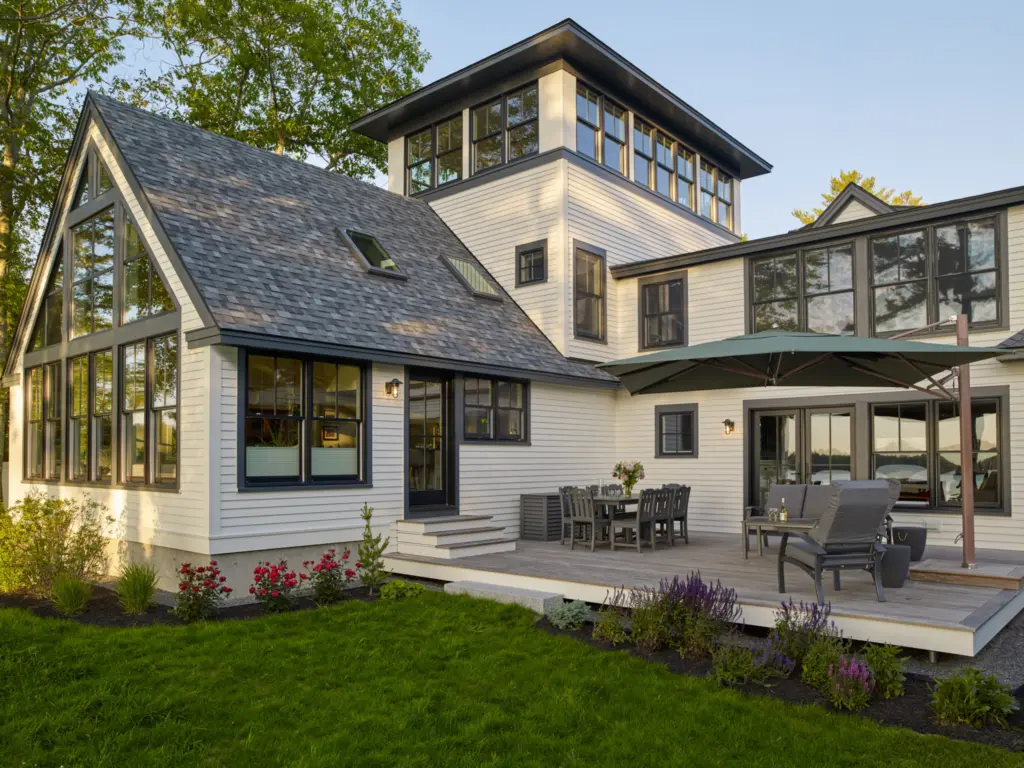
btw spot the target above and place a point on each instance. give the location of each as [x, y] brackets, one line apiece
[761, 524]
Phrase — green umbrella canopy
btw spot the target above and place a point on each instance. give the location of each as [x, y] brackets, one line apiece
[787, 359]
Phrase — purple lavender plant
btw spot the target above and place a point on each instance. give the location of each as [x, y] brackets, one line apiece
[797, 626]
[850, 685]
[698, 597]
[770, 659]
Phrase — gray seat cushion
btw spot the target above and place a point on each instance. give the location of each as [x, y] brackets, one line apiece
[799, 550]
[816, 501]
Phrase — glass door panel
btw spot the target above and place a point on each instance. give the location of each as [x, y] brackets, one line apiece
[830, 446]
[429, 435]
[777, 451]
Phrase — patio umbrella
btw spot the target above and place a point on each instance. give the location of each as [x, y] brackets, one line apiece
[791, 359]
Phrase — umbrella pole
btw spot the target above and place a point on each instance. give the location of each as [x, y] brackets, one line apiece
[966, 450]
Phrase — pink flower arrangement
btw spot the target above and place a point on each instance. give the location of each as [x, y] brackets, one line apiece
[200, 590]
[272, 586]
[629, 472]
[850, 684]
[329, 575]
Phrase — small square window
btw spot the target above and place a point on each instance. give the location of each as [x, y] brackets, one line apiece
[531, 263]
[371, 254]
[676, 431]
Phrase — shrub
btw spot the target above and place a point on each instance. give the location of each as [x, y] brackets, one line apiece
[200, 590]
[273, 585]
[886, 667]
[400, 590]
[973, 698]
[823, 655]
[850, 685]
[798, 626]
[70, 594]
[371, 554]
[696, 612]
[648, 621]
[569, 615]
[769, 657]
[42, 536]
[610, 626]
[735, 664]
[136, 586]
[329, 576]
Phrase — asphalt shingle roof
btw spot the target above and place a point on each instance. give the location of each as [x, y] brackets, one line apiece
[257, 234]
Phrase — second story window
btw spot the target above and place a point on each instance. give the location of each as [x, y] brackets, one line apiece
[521, 116]
[663, 172]
[600, 129]
[506, 129]
[589, 294]
[92, 258]
[531, 263]
[724, 200]
[926, 275]
[821, 301]
[433, 156]
[47, 331]
[613, 151]
[488, 145]
[707, 190]
[588, 122]
[663, 313]
[643, 153]
[684, 177]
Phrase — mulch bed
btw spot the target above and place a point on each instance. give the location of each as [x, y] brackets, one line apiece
[912, 710]
[103, 610]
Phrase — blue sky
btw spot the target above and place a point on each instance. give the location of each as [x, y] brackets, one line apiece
[923, 95]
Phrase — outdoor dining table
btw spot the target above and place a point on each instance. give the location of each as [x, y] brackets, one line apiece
[616, 501]
[762, 524]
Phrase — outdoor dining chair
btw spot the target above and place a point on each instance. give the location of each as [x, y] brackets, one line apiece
[566, 506]
[679, 511]
[585, 516]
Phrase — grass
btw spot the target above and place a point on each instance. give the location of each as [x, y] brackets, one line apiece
[433, 681]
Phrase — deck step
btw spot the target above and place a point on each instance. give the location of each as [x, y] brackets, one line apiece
[994, 575]
[439, 524]
[536, 601]
[461, 549]
[455, 536]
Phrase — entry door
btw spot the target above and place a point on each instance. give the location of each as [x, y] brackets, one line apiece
[430, 451]
[811, 446]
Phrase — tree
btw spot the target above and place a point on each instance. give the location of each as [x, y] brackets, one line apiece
[285, 75]
[838, 183]
[47, 47]
[372, 572]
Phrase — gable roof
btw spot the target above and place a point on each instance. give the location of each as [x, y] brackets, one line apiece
[599, 64]
[258, 236]
[852, 193]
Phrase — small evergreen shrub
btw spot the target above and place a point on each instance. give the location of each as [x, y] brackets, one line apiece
[273, 585]
[850, 685]
[886, 667]
[568, 615]
[200, 590]
[610, 626]
[70, 594]
[823, 655]
[798, 625]
[372, 572]
[136, 586]
[328, 576]
[400, 590]
[42, 536]
[973, 698]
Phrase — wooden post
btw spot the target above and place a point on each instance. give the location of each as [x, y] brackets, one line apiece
[966, 449]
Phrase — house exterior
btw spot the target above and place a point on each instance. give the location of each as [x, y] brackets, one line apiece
[233, 351]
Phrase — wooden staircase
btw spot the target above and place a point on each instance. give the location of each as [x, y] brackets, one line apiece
[452, 537]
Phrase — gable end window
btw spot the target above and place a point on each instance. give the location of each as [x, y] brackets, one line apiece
[143, 293]
[48, 329]
[808, 290]
[676, 431]
[663, 313]
[433, 156]
[495, 410]
[926, 275]
[532, 263]
[92, 263]
[589, 308]
[303, 422]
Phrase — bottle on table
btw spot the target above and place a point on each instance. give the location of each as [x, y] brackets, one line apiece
[783, 511]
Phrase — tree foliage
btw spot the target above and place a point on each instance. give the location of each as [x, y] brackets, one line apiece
[285, 75]
[838, 183]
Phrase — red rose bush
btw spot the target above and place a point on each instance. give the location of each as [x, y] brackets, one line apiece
[329, 576]
[273, 585]
[200, 590]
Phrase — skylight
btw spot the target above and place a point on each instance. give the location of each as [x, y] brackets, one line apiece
[371, 254]
[473, 277]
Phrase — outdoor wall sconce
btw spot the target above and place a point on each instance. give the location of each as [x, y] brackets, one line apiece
[728, 426]
[393, 387]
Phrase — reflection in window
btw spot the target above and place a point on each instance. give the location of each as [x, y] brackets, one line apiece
[143, 291]
[831, 442]
[676, 433]
[92, 292]
[133, 412]
[776, 293]
[472, 275]
[663, 315]
[613, 150]
[78, 419]
[588, 125]
[985, 431]
[337, 421]
[449, 150]
[828, 286]
[589, 293]
[900, 274]
[374, 253]
[532, 266]
[684, 177]
[643, 153]
[900, 448]
[494, 409]
[966, 270]
[707, 190]
[487, 136]
[521, 111]
[663, 166]
[273, 418]
[48, 330]
[164, 409]
[420, 160]
[34, 443]
[102, 426]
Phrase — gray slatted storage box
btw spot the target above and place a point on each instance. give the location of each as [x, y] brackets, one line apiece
[540, 517]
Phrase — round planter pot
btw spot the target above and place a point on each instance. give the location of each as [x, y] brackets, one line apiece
[895, 566]
[913, 536]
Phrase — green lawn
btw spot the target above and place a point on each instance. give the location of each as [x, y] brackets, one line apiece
[435, 681]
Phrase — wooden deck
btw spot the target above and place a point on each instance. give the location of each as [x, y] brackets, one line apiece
[949, 618]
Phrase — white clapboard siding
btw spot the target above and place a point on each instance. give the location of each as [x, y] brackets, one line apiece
[178, 519]
[851, 211]
[493, 218]
[265, 519]
[572, 442]
[630, 227]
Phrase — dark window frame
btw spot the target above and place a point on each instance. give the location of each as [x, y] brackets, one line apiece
[493, 409]
[85, 417]
[933, 454]
[802, 295]
[93, 274]
[599, 253]
[504, 129]
[345, 235]
[51, 400]
[435, 156]
[602, 135]
[125, 219]
[306, 480]
[645, 282]
[660, 412]
[932, 277]
[529, 249]
[493, 295]
[510, 127]
[52, 293]
[638, 128]
[148, 409]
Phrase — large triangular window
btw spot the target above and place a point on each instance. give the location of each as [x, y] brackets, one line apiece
[48, 329]
[82, 190]
[144, 293]
[104, 184]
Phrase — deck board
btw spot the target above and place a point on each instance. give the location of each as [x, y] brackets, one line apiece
[923, 605]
